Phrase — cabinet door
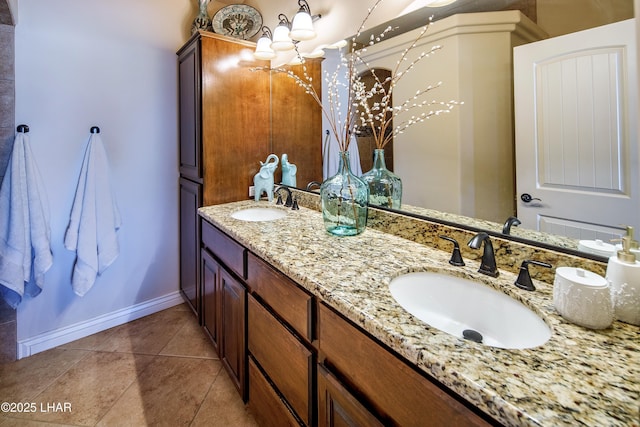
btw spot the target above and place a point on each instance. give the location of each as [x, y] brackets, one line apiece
[233, 347]
[391, 387]
[190, 110]
[190, 198]
[337, 407]
[211, 298]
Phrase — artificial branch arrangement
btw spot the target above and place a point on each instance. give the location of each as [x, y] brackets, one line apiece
[357, 112]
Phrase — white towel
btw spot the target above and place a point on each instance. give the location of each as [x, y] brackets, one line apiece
[25, 233]
[94, 221]
[331, 158]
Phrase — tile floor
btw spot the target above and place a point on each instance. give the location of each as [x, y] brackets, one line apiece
[159, 371]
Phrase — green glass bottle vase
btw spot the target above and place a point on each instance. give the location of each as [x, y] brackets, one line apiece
[344, 200]
[385, 187]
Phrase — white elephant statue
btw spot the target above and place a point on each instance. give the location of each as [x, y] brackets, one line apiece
[263, 180]
[289, 171]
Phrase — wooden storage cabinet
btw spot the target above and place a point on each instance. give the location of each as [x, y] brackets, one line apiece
[224, 300]
[219, 108]
[385, 384]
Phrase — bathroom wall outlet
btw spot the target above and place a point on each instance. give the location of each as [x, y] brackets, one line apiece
[252, 191]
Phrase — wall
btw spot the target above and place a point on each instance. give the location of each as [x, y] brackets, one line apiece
[111, 64]
[568, 16]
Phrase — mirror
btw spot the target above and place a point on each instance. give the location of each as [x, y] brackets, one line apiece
[467, 213]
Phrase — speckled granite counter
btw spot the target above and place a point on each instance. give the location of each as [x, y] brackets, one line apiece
[579, 377]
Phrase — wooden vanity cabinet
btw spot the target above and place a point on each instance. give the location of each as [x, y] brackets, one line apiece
[224, 301]
[282, 359]
[298, 362]
[387, 388]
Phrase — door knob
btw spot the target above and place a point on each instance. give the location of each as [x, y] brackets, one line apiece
[526, 197]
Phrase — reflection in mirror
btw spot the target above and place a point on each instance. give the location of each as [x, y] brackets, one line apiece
[463, 168]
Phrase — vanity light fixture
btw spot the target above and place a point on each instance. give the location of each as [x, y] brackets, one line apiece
[302, 25]
[287, 33]
[281, 39]
[263, 46]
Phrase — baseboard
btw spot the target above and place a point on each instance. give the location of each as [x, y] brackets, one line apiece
[79, 330]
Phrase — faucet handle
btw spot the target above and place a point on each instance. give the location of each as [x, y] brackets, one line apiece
[524, 278]
[456, 256]
[295, 206]
[279, 201]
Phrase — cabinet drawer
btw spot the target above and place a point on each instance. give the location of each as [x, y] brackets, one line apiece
[392, 388]
[231, 253]
[291, 303]
[267, 407]
[286, 361]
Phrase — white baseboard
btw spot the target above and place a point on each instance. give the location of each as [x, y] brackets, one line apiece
[79, 330]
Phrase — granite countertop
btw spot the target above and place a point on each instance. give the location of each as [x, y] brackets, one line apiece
[579, 377]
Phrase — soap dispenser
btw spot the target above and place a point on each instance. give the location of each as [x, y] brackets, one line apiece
[623, 274]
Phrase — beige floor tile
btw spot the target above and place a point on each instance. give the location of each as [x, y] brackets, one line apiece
[180, 307]
[167, 393]
[92, 342]
[26, 378]
[190, 341]
[223, 406]
[147, 335]
[91, 387]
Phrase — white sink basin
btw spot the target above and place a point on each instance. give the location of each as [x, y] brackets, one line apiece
[259, 214]
[453, 305]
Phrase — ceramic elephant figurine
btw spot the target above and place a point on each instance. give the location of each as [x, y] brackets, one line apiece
[289, 171]
[263, 180]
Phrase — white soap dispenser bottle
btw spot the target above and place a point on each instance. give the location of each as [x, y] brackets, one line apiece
[623, 274]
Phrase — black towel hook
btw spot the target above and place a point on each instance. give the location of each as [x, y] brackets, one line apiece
[23, 128]
[95, 129]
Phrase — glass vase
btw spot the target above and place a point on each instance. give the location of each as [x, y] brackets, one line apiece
[385, 187]
[344, 199]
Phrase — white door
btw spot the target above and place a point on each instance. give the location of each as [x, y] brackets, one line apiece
[576, 109]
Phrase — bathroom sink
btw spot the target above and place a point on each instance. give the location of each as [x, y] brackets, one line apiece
[470, 310]
[259, 214]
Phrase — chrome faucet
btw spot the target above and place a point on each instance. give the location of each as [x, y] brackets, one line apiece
[488, 262]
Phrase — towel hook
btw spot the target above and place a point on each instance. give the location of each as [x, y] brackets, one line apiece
[23, 128]
[95, 129]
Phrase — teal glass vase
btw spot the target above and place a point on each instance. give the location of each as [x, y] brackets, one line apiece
[385, 187]
[344, 201]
